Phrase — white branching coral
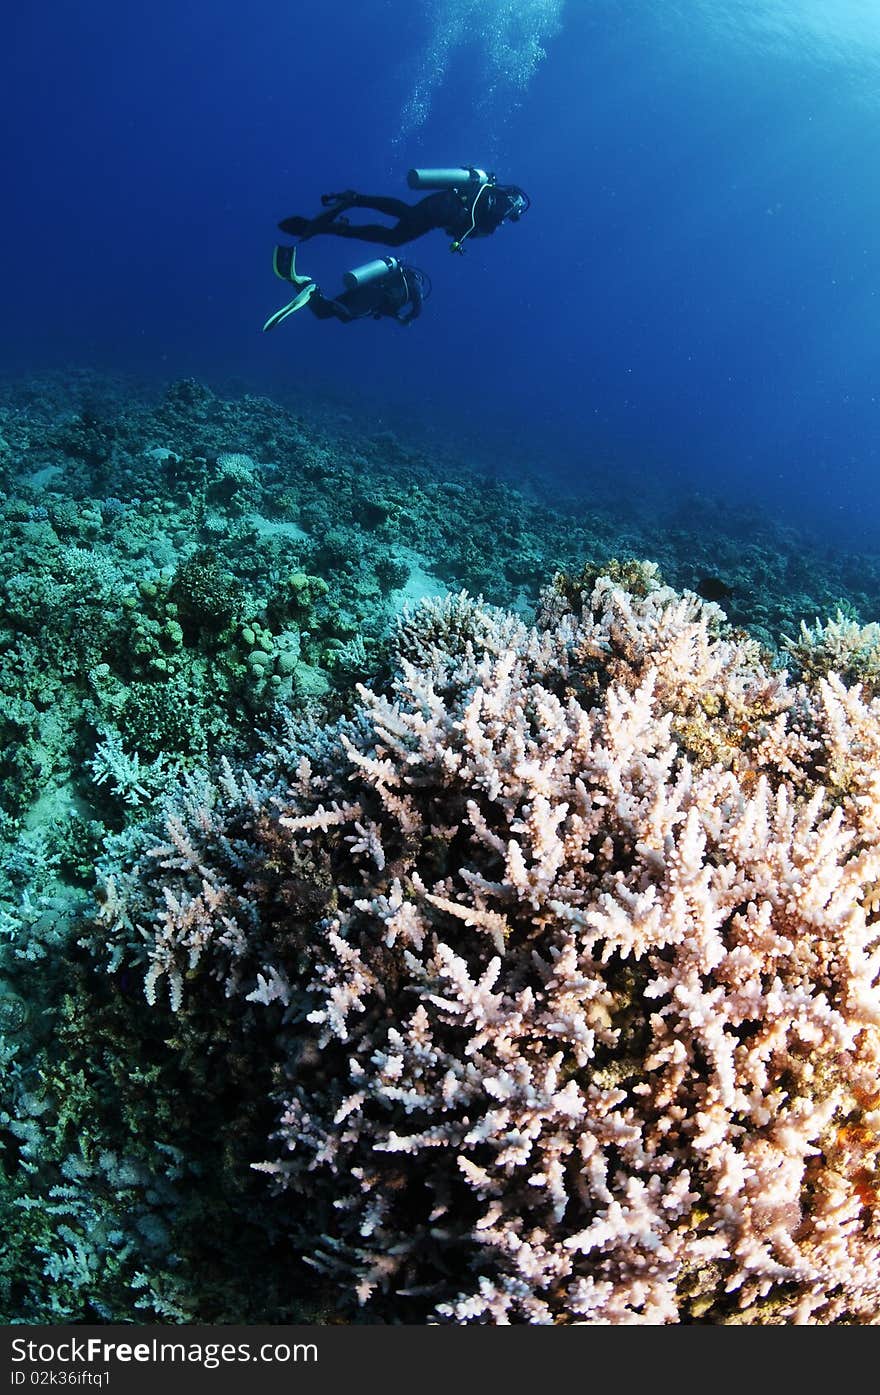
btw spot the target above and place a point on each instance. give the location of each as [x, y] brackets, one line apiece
[127, 777]
[579, 931]
[841, 646]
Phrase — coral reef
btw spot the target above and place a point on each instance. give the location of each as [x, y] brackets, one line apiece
[574, 1023]
[111, 1209]
[192, 585]
[841, 646]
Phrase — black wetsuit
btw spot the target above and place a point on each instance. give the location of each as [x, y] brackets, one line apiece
[452, 210]
[398, 295]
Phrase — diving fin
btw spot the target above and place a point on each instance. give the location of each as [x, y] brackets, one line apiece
[284, 266]
[297, 303]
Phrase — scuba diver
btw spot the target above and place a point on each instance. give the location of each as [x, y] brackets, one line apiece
[380, 288]
[466, 203]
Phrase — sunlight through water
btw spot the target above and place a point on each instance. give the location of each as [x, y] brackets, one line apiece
[827, 31]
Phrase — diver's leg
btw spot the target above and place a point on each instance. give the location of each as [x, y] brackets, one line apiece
[311, 227]
[323, 308]
[370, 232]
[393, 208]
[413, 219]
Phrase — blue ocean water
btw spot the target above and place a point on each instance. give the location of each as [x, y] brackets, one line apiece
[691, 301]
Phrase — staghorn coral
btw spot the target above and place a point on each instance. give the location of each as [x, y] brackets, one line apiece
[576, 1023]
[840, 646]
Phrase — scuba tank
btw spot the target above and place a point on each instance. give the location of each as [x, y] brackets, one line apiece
[447, 178]
[360, 276]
